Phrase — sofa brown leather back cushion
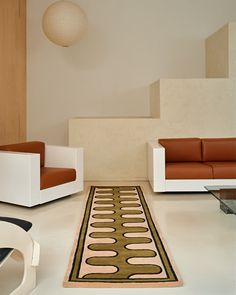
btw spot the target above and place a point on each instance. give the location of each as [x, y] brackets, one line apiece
[182, 149]
[36, 147]
[219, 149]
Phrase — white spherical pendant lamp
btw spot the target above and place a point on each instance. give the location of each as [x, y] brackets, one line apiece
[64, 23]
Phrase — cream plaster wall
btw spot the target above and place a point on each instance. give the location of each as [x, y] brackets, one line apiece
[116, 148]
[198, 107]
[128, 45]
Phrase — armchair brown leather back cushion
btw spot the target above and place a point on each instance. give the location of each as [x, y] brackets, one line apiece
[219, 149]
[37, 147]
[182, 149]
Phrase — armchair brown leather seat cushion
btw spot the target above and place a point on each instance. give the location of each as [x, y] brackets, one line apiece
[188, 170]
[50, 177]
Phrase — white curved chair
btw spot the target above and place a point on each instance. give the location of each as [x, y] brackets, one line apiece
[15, 237]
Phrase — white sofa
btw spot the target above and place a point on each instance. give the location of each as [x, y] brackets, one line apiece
[157, 175]
[20, 175]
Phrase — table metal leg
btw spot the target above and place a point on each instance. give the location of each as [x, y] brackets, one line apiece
[225, 209]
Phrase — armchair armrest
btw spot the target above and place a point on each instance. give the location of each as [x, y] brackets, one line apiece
[156, 166]
[65, 157]
[19, 178]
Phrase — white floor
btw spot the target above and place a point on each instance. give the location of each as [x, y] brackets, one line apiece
[200, 238]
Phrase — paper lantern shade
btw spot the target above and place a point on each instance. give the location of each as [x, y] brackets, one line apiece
[64, 23]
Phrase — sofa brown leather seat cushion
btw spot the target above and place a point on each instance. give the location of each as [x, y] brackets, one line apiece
[36, 147]
[223, 170]
[182, 149]
[50, 177]
[188, 170]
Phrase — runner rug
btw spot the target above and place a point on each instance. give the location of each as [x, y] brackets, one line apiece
[118, 244]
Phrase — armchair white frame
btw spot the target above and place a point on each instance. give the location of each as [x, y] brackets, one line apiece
[20, 175]
[157, 177]
[13, 236]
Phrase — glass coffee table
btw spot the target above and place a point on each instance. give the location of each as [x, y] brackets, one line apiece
[226, 195]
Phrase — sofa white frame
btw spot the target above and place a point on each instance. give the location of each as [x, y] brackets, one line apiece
[158, 181]
[13, 236]
[20, 175]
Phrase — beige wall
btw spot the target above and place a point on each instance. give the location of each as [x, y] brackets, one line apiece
[154, 102]
[116, 148]
[232, 50]
[221, 53]
[217, 54]
[129, 44]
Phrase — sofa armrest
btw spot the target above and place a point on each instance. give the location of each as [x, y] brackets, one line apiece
[65, 157]
[155, 144]
[19, 178]
[156, 166]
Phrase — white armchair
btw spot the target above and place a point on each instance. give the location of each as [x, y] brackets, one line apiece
[21, 173]
[18, 239]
